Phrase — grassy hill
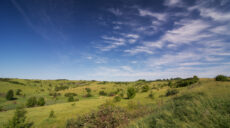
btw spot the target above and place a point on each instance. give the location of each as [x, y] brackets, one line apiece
[203, 103]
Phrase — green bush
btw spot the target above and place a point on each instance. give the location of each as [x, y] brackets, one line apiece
[41, 101]
[31, 102]
[145, 88]
[117, 99]
[102, 93]
[10, 95]
[51, 115]
[186, 82]
[70, 99]
[221, 78]
[151, 95]
[18, 92]
[70, 94]
[171, 92]
[19, 119]
[88, 90]
[106, 117]
[131, 93]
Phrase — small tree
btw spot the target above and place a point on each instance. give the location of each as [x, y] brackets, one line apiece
[10, 95]
[221, 78]
[131, 93]
[19, 119]
[145, 88]
[31, 102]
[41, 101]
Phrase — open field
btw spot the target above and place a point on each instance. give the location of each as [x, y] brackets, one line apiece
[206, 89]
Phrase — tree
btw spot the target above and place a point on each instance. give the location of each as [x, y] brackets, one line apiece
[19, 119]
[41, 101]
[10, 95]
[221, 78]
[131, 93]
[31, 102]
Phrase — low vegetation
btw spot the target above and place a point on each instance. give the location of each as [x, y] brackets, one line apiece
[175, 102]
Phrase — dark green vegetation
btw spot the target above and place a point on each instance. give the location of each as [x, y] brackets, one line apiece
[221, 78]
[19, 119]
[177, 102]
[10, 95]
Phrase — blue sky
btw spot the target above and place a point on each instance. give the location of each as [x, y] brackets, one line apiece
[119, 40]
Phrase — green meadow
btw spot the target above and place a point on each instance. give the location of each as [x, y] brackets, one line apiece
[162, 103]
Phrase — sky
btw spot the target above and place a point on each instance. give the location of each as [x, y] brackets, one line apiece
[116, 40]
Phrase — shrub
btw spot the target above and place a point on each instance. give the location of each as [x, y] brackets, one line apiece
[88, 90]
[41, 101]
[70, 99]
[107, 117]
[151, 95]
[170, 84]
[102, 93]
[10, 95]
[145, 88]
[19, 119]
[51, 114]
[188, 81]
[221, 78]
[31, 102]
[117, 99]
[171, 92]
[112, 93]
[18, 92]
[70, 94]
[59, 88]
[131, 93]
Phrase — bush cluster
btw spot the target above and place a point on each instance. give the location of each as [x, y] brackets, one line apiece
[145, 88]
[32, 102]
[102, 93]
[69, 94]
[107, 117]
[59, 88]
[221, 78]
[171, 92]
[186, 82]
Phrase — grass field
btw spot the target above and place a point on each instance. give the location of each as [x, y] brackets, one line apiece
[165, 108]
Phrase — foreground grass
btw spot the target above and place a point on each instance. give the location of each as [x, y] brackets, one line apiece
[202, 106]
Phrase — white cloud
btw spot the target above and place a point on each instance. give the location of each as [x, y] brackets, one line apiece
[223, 30]
[172, 3]
[139, 49]
[159, 16]
[189, 31]
[112, 42]
[212, 13]
[116, 12]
